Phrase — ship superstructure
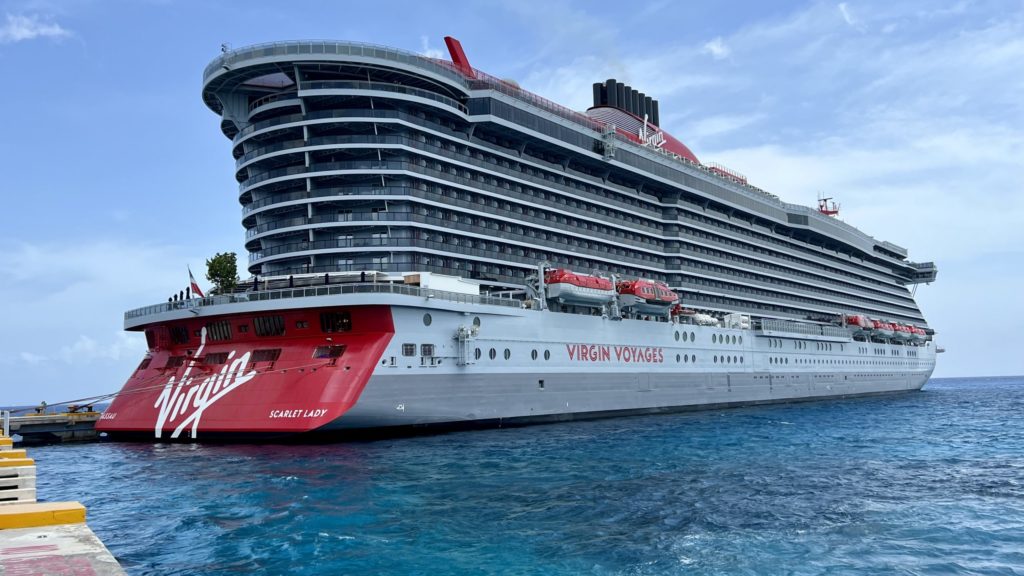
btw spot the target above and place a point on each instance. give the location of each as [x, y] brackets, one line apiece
[419, 229]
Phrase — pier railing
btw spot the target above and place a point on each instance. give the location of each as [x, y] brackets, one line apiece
[323, 290]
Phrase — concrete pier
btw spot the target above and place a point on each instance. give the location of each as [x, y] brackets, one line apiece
[43, 538]
[37, 429]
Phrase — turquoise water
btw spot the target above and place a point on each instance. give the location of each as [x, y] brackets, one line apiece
[923, 483]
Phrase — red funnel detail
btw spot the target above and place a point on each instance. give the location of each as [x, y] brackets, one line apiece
[459, 56]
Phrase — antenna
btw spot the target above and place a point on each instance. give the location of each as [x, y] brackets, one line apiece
[827, 206]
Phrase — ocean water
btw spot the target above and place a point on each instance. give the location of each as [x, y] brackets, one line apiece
[922, 483]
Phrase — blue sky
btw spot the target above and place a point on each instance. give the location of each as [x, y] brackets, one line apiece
[115, 176]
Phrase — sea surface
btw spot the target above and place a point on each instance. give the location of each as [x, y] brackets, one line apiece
[922, 483]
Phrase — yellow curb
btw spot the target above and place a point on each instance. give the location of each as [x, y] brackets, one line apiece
[45, 514]
[13, 454]
[5, 441]
[15, 462]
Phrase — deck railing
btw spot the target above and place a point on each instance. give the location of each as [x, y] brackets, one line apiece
[321, 290]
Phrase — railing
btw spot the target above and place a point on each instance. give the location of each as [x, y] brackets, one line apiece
[804, 328]
[325, 290]
[461, 246]
[382, 87]
[304, 47]
[290, 95]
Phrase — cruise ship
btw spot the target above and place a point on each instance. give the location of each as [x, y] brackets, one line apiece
[431, 246]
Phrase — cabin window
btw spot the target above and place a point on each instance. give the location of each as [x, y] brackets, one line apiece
[265, 355]
[335, 322]
[268, 325]
[145, 363]
[174, 361]
[427, 350]
[493, 353]
[179, 334]
[217, 331]
[215, 358]
[334, 351]
[427, 319]
[408, 349]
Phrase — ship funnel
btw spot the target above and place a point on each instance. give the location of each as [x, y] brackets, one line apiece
[615, 94]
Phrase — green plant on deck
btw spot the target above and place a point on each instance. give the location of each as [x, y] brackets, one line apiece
[222, 271]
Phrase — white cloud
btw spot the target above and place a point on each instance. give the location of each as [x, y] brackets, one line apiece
[87, 350]
[717, 125]
[31, 358]
[18, 28]
[716, 48]
[846, 13]
[70, 301]
[427, 50]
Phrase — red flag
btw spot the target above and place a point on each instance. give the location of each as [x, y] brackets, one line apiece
[195, 287]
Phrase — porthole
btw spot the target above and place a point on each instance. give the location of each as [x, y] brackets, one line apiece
[716, 359]
[693, 337]
[493, 353]
[533, 354]
[677, 336]
[741, 359]
[547, 354]
[476, 354]
[677, 357]
[685, 336]
[508, 353]
[734, 339]
[714, 338]
[735, 359]
[686, 358]
[476, 321]
[741, 340]
[728, 359]
[427, 319]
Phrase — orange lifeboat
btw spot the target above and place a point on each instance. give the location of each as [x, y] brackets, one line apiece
[882, 329]
[646, 296]
[859, 324]
[568, 287]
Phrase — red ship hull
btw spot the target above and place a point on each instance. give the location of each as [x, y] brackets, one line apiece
[271, 374]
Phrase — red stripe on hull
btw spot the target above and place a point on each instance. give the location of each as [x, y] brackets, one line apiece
[198, 379]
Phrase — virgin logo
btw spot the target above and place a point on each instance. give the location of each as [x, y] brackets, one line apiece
[184, 401]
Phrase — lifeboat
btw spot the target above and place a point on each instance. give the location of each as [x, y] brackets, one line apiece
[882, 329]
[646, 296]
[569, 287]
[902, 332]
[917, 334]
[859, 324]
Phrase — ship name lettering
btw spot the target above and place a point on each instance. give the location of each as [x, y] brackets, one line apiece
[622, 354]
[298, 413]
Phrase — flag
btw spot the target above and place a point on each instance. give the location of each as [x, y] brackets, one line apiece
[195, 287]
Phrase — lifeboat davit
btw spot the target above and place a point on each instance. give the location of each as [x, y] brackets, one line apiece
[569, 287]
[882, 329]
[646, 296]
[859, 324]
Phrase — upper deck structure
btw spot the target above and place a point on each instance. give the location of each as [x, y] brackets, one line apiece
[358, 157]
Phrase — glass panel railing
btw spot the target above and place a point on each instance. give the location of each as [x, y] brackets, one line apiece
[323, 290]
